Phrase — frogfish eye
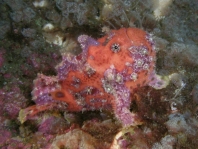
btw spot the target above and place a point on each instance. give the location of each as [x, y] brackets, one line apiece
[115, 47]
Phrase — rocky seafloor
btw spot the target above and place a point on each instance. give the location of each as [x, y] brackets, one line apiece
[34, 34]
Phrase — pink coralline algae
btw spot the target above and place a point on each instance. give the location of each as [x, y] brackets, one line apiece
[4, 136]
[11, 101]
[103, 76]
[52, 125]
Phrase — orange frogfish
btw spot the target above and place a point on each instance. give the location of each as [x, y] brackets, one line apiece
[102, 76]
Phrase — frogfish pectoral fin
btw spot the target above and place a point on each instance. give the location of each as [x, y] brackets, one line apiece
[28, 113]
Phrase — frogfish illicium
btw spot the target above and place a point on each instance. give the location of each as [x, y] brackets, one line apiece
[103, 76]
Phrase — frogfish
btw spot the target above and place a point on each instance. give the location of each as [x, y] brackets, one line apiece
[103, 76]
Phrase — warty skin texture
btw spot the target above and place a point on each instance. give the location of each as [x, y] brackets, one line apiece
[104, 75]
